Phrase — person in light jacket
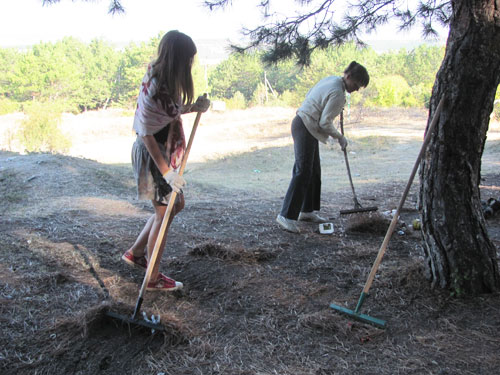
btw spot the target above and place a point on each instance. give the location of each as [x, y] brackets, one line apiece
[313, 123]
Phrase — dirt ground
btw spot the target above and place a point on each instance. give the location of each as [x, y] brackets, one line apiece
[256, 299]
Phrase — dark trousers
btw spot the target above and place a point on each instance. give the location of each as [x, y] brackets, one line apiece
[304, 191]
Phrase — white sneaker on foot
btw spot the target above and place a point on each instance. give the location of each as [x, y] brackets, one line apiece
[312, 217]
[287, 224]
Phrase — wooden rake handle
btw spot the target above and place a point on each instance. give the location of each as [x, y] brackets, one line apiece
[394, 221]
[168, 212]
[354, 197]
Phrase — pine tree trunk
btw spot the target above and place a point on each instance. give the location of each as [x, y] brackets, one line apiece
[459, 253]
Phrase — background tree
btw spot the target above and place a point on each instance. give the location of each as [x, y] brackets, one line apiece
[8, 59]
[458, 252]
[131, 69]
[239, 73]
[115, 6]
[94, 76]
[99, 74]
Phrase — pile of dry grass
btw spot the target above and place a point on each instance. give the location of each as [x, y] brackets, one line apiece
[216, 250]
[374, 223]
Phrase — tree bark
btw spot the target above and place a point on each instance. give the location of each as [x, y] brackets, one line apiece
[458, 251]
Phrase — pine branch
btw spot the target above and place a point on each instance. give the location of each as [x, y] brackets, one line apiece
[300, 35]
[115, 6]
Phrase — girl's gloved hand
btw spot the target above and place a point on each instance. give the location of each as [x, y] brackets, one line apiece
[174, 180]
[202, 104]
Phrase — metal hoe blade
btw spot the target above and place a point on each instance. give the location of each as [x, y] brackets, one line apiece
[128, 320]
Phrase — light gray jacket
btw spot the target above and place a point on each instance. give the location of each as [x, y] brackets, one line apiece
[322, 104]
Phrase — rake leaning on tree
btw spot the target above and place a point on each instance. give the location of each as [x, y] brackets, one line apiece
[313, 123]
[166, 93]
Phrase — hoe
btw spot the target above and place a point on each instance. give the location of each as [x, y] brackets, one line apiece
[154, 322]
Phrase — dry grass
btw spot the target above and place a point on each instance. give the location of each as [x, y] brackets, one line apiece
[256, 299]
[374, 223]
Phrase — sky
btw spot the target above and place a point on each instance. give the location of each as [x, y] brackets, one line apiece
[26, 22]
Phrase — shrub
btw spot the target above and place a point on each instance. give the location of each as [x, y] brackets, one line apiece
[290, 98]
[39, 131]
[392, 91]
[261, 96]
[237, 101]
[8, 106]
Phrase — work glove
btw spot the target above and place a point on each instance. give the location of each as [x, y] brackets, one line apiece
[175, 181]
[343, 142]
[201, 105]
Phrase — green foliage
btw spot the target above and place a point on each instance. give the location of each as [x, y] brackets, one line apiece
[392, 90]
[260, 95]
[131, 69]
[421, 64]
[8, 106]
[200, 79]
[91, 76]
[239, 73]
[422, 93]
[290, 99]
[99, 75]
[238, 101]
[8, 59]
[283, 76]
[39, 131]
[332, 61]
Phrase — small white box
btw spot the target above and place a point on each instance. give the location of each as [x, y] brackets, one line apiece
[326, 228]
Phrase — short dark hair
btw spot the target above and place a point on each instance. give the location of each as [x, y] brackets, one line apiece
[358, 72]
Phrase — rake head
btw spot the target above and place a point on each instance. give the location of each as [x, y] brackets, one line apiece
[131, 321]
[357, 210]
[360, 317]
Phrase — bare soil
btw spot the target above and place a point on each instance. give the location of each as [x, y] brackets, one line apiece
[256, 299]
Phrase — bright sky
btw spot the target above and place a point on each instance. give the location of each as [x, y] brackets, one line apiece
[27, 22]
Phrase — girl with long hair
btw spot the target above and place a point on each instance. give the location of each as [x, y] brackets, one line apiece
[166, 93]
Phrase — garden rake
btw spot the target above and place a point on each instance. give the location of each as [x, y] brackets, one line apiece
[356, 314]
[357, 206]
[154, 322]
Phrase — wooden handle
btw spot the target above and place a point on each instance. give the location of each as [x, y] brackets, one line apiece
[342, 122]
[394, 221]
[355, 198]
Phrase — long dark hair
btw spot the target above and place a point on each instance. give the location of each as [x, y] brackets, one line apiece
[172, 68]
[358, 72]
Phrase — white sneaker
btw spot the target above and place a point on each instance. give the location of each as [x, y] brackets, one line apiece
[287, 224]
[312, 217]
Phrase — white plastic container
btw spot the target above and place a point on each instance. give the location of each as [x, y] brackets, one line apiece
[326, 228]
